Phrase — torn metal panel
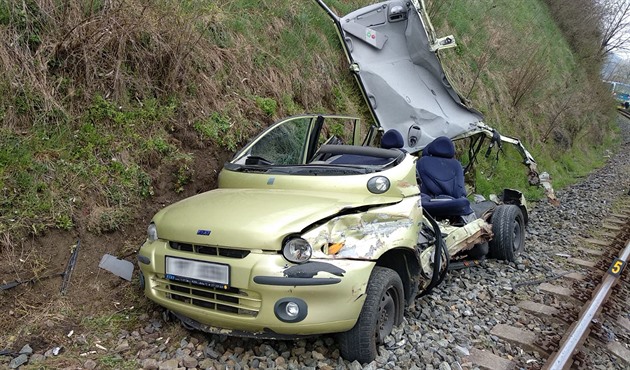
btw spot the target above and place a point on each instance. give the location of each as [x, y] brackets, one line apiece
[528, 160]
[367, 235]
[121, 268]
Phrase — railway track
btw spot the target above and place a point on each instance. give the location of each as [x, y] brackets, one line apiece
[585, 306]
[624, 112]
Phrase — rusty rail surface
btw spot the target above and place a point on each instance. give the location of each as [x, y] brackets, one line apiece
[581, 328]
[624, 112]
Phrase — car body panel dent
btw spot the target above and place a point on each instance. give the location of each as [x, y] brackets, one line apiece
[369, 234]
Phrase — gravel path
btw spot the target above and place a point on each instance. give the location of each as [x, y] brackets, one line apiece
[440, 330]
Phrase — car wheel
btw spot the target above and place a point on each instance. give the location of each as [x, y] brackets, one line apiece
[508, 226]
[382, 310]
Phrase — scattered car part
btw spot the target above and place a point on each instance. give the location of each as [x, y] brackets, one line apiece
[15, 283]
[67, 274]
[121, 268]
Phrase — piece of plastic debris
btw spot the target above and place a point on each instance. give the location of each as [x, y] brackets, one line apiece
[70, 334]
[563, 255]
[121, 268]
[56, 350]
[100, 347]
[545, 181]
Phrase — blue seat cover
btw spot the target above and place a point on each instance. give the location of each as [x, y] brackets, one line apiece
[392, 139]
[442, 180]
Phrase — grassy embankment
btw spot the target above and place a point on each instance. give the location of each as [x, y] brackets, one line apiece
[515, 66]
[100, 103]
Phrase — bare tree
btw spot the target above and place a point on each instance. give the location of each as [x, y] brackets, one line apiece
[614, 25]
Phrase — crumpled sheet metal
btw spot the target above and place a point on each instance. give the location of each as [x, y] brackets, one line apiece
[367, 235]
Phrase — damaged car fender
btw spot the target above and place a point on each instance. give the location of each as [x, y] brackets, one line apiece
[369, 234]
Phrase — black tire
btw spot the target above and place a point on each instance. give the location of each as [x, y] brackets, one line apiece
[508, 226]
[382, 310]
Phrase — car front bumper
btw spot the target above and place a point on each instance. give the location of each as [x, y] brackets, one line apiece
[328, 293]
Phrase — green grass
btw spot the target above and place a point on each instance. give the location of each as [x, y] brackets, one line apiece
[507, 34]
[48, 173]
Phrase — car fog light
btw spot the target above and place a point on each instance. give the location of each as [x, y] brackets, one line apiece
[297, 250]
[378, 184]
[290, 309]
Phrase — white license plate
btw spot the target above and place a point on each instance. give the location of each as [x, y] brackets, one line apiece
[204, 273]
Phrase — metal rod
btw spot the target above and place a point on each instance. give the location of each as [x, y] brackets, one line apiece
[327, 9]
[559, 361]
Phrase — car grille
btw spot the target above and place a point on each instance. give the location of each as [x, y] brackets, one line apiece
[209, 250]
[232, 300]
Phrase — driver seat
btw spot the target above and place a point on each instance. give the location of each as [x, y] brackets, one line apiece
[442, 180]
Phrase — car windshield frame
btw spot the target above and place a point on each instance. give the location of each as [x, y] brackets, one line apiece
[314, 144]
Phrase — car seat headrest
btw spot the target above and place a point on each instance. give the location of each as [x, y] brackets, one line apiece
[440, 147]
[392, 139]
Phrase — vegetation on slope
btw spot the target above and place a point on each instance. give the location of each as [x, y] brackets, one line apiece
[109, 105]
[103, 100]
[514, 65]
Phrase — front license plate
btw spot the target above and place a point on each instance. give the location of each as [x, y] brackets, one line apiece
[198, 272]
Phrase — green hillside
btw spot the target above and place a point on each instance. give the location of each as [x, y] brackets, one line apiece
[109, 106]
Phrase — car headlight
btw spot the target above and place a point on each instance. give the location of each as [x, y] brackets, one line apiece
[378, 184]
[297, 250]
[152, 234]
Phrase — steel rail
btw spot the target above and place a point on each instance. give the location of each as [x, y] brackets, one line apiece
[560, 359]
[624, 112]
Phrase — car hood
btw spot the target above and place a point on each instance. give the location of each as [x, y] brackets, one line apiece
[253, 218]
[390, 47]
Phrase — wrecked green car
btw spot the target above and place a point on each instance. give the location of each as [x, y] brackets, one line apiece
[321, 225]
